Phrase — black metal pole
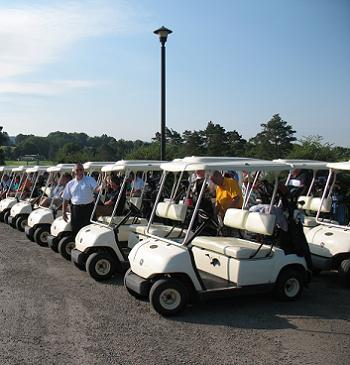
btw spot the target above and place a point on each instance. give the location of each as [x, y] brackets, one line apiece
[162, 107]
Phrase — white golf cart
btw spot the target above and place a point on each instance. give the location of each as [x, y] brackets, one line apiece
[178, 227]
[329, 243]
[102, 247]
[12, 194]
[40, 219]
[19, 212]
[4, 185]
[61, 238]
[173, 273]
[308, 203]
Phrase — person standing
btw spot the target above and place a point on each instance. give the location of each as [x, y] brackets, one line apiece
[80, 193]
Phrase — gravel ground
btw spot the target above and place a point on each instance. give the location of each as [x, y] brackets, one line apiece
[52, 313]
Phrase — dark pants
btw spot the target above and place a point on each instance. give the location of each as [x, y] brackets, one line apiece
[80, 216]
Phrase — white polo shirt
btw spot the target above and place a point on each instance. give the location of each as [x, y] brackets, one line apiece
[80, 191]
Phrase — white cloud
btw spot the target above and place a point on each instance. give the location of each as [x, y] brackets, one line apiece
[36, 35]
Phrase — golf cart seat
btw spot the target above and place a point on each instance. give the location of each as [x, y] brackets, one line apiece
[315, 205]
[310, 222]
[236, 248]
[304, 202]
[160, 230]
[173, 211]
[239, 248]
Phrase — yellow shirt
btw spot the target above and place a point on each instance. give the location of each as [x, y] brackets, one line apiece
[227, 193]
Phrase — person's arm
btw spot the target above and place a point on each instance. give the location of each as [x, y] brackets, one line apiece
[64, 210]
[66, 196]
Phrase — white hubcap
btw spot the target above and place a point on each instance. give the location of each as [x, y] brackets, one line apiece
[291, 287]
[23, 224]
[43, 237]
[103, 267]
[69, 247]
[170, 299]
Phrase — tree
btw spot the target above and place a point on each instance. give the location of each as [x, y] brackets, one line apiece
[106, 153]
[236, 145]
[313, 148]
[275, 141]
[4, 138]
[149, 151]
[215, 139]
[193, 143]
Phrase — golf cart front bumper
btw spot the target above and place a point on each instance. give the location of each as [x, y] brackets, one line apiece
[52, 241]
[11, 221]
[137, 284]
[78, 257]
[29, 231]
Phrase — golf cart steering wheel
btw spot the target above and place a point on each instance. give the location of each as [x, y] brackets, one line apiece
[206, 217]
[134, 209]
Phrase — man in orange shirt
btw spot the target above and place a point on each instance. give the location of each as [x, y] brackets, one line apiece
[228, 194]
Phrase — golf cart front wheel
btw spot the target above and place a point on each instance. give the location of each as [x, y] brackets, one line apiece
[101, 265]
[40, 236]
[289, 285]
[21, 223]
[344, 272]
[168, 297]
[65, 246]
[6, 216]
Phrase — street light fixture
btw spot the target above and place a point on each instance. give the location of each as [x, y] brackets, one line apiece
[163, 35]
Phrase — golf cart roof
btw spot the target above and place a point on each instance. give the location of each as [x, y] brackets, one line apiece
[203, 159]
[304, 164]
[345, 165]
[67, 167]
[18, 168]
[96, 165]
[37, 168]
[234, 164]
[6, 168]
[134, 165]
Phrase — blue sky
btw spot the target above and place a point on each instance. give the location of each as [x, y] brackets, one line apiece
[94, 66]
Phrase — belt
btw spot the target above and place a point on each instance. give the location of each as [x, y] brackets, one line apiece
[82, 205]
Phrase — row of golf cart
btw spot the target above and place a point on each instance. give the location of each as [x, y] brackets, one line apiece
[175, 249]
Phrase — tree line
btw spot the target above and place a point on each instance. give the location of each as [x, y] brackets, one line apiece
[275, 140]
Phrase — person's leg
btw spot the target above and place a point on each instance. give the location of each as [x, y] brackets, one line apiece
[74, 218]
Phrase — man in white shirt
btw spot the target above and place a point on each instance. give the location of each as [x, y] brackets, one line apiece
[80, 193]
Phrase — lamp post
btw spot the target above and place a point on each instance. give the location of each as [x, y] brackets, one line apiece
[163, 35]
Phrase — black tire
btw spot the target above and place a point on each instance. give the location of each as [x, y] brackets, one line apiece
[6, 216]
[30, 237]
[168, 297]
[344, 272]
[21, 222]
[65, 245]
[289, 285]
[40, 236]
[316, 272]
[2, 217]
[79, 266]
[101, 265]
[13, 224]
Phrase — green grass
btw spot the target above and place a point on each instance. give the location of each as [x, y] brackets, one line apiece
[29, 163]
